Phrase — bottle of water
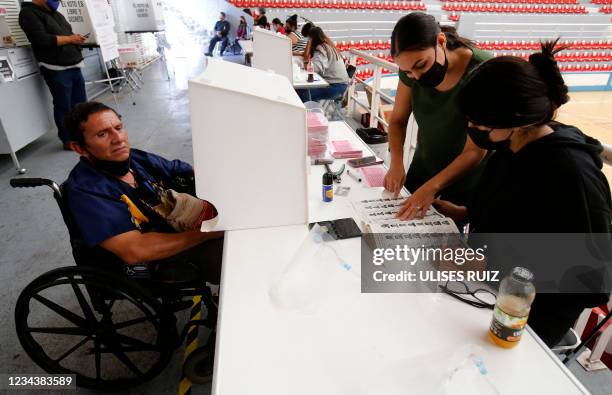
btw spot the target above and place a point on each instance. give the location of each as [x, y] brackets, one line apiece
[516, 294]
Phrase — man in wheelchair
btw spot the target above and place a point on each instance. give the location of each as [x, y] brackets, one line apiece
[136, 205]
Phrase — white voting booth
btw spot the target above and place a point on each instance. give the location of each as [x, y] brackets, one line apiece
[93, 18]
[272, 51]
[249, 146]
[141, 15]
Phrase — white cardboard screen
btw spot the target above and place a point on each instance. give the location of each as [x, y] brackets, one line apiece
[140, 15]
[249, 146]
[93, 17]
[272, 51]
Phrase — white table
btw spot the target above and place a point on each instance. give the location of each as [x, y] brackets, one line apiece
[300, 81]
[247, 46]
[350, 343]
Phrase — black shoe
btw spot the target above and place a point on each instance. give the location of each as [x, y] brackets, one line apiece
[208, 54]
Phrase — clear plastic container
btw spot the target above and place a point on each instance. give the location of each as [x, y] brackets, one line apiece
[516, 294]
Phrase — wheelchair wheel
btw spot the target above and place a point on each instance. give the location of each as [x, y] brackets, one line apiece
[108, 331]
[198, 366]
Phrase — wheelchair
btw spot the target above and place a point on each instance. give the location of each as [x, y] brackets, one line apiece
[110, 314]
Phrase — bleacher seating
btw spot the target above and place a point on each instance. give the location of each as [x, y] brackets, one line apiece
[415, 5]
[592, 54]
[515, 8]
[522, 1]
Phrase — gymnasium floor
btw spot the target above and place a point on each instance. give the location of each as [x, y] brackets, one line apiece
[591, 112]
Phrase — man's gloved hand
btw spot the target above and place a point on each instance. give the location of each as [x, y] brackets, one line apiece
[185, 212]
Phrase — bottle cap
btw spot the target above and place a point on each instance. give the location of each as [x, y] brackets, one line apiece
[522, 274]
[328, 179]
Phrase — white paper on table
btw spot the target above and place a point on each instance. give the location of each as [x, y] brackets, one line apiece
[436, 225]
[6, 71]
[22, 60]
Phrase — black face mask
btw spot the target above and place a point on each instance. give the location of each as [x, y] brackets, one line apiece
[114, 168]
[481, 139]
[436, 73]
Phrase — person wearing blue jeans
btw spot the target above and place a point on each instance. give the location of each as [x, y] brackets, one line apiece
[67, 89]
[222, 28]
[331, 92]
[327, 62]
[58, 52]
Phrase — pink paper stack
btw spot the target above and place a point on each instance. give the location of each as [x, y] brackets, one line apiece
[374, 176]
[343, 149]
[317, 133]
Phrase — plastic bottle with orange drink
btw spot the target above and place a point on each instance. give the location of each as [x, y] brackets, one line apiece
[516, 294]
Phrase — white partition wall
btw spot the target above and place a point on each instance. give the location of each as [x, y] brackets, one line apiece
[93, 18]
[140, 15]
[249, 146]
[272, 51]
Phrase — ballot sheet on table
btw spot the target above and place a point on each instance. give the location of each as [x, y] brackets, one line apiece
[379, 216]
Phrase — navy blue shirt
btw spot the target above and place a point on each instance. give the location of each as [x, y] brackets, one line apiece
[223, 27]
[103, 206]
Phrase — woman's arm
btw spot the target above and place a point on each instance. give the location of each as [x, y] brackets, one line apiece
[395, 177]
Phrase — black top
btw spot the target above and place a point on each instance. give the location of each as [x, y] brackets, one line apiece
[223, 27]
[41, 26]
[552, 185]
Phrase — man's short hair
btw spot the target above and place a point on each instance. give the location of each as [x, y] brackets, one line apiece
[74, 120]
[223, 13]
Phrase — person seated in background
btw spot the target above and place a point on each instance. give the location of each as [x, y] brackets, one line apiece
[544, 176]
[278, 26]
[242, 30]
[124, 200]
[327, 62]
[262, 22]
[305, 33]
[222, 28]
[298, 42]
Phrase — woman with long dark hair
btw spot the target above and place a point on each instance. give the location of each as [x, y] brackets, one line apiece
[433, 62]
[327, 62]
[544, 177]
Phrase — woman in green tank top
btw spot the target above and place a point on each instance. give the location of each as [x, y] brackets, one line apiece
[433, 62]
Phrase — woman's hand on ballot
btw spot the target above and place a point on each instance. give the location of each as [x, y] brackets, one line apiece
[417, 204]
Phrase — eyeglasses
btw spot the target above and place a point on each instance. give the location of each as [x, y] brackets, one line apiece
[481, 298]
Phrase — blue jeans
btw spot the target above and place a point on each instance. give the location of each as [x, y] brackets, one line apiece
[214, 41]
[333, 91]
[68, 89]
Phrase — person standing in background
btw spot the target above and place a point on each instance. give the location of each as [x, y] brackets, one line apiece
[57, 50]
[222, 28]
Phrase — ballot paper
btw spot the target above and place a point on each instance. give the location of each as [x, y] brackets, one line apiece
[379, 216]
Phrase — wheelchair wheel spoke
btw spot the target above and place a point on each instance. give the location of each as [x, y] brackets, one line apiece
[125, 324]
[73, 349]
[127, 362]
[67, 314]
[123, 339]
[149, 347]
[76, 331]
[89, 315]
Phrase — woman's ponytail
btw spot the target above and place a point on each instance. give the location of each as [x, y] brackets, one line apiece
[544, 61]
